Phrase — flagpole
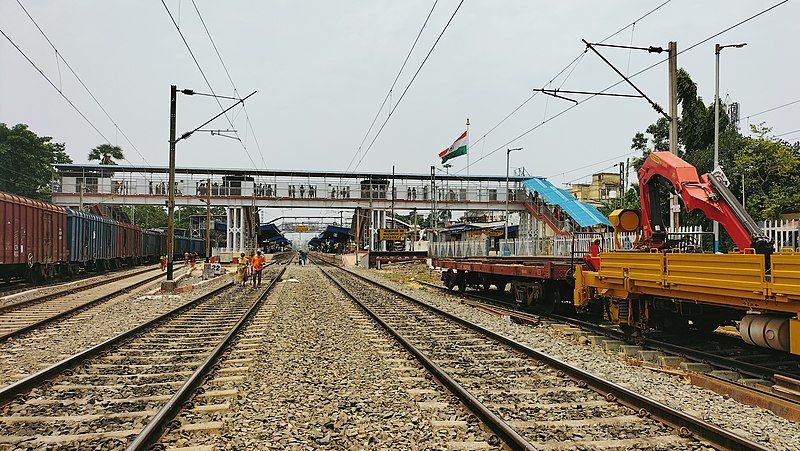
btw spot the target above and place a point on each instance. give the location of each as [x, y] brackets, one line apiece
[467, 147]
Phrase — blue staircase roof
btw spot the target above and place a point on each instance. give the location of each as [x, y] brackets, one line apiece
[584, 214]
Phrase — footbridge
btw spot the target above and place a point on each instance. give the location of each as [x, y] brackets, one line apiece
[76, 184]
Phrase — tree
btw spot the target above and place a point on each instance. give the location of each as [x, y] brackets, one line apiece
[27, 161]
[106, 153]
[148, 216]
[771, 168]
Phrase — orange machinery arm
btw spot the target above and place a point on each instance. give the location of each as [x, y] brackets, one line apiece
[705, 193]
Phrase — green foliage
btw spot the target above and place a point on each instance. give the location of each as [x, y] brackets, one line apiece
[26, 161]
[106, 153]
[148, 216]
[771, 168]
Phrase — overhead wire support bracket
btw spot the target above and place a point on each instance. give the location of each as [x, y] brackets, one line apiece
[188, 134]
[651, 49]
[555, 93]
[655, 106]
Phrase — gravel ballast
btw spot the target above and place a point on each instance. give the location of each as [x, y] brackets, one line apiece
[329, 378]
[756, 424]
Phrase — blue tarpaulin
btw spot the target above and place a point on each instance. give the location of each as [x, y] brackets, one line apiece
[581, 212]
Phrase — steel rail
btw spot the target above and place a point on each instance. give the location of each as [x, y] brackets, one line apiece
[24, 385]
[683, 422]
[506, 433]
[47, 297]
[70, 311]
[154, 429]
[696, 355]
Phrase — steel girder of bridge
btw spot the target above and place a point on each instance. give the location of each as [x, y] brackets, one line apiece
[74, 184]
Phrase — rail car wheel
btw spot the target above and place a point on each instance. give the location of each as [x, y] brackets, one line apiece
[461, 280]
[486, 286]
[548, 302]
[449, 279]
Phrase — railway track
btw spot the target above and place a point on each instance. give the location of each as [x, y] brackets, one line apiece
[124, 392]
[751, 374]
[29, 314]
[529, 399]
[15, 287]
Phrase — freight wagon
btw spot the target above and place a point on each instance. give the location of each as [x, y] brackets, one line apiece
[39, 240]
[31, 238]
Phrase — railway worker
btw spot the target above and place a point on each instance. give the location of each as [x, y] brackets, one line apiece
[163, 262]
[193, 259]
[258, 264]
[241, 270]
[594, 248]
[185, 258]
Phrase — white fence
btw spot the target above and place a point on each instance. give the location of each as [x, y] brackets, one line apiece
[785, 233]
[558, 246]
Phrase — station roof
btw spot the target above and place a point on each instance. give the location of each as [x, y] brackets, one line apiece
[584, 214]
[109, 169]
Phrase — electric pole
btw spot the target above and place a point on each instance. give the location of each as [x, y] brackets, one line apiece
[171, 201]
[208, 219]
[674, 216]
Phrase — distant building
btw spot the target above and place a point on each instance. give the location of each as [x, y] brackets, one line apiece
[604, 186]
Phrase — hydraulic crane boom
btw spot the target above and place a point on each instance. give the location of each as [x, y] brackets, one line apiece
[706, 193]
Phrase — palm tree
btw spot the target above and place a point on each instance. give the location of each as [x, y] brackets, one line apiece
[106, 153]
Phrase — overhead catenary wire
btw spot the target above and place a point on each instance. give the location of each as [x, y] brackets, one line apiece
[230, 79]
[208, 83]
[788, 133]
[582, 101]
[391, 88]
[60, 56]
[94, 127]
[771, 109]
[573, 63]
[375, 138]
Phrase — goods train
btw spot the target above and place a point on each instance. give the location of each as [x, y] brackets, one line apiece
[39, 240]
[665, 281]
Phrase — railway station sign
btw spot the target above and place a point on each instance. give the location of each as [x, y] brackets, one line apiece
[301, 228]
[392, 234]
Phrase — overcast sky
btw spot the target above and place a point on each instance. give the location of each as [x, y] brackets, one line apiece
[322, 68]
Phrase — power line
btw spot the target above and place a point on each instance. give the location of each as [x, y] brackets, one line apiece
[389, 93]
[80, 80]
[208, 83]
[582, 101]
[772, 109]
[788, 133]
[409, 83]
[575, 61]
[230, 79]
[55, 87]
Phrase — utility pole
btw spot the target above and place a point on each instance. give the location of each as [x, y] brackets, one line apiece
[171, 202]
[508, 194]
[433, 198]
[208, 219]
[674, 222]
[393, 196]
[674, 206]
[717, 49]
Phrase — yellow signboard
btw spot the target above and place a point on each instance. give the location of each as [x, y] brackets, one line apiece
[301, 228]
[392, 234]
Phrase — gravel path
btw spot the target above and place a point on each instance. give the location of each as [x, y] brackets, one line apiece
[28, 353]
[756, 424]
[329, 378]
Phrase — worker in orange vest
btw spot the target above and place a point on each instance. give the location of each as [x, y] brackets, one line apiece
[257, 264]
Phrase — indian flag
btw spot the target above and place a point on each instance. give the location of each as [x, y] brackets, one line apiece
[458, 148]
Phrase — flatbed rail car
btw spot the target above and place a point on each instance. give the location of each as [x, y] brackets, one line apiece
[642, 290]
[542, 282]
